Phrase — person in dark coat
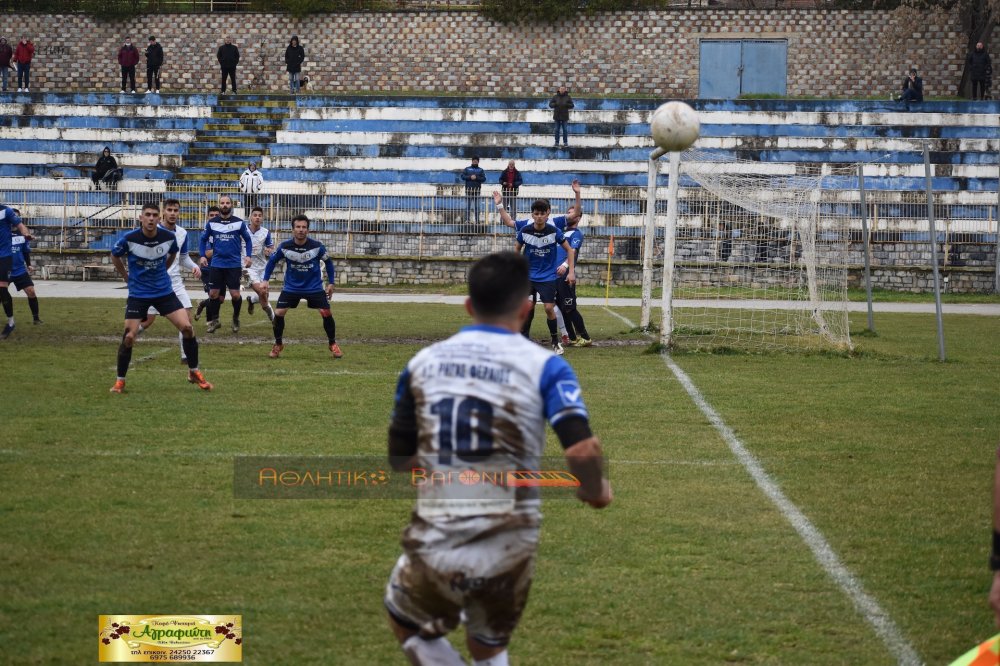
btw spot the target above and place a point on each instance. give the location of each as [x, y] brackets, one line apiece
[560, 104]
[913, 88]
[106, 170]
[228, 56]
[154, 60]
[295, 55]
[474, 178]
[6, 53]
[980, 70]
[128, 58]
[510, 181]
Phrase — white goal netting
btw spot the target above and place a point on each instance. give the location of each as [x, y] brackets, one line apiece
[760, 262]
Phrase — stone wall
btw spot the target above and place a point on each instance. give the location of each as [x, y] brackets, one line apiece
[830, 52]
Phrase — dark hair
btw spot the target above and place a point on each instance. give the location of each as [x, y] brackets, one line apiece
[498, 284]
[298, 217]
[151, 205]
[214, 209]
[256, 208]
[541, 205]
[171, 202]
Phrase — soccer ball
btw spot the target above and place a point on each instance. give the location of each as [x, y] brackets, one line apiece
[674, 126]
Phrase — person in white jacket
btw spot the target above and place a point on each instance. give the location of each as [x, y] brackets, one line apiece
[251, 183]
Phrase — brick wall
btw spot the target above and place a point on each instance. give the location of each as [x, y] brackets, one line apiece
[830, 52]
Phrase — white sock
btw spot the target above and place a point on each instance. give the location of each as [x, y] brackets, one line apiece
[560, 323]
[436, 652]
[180, 339]
[250, 298]
[10, 321]
[496, 660]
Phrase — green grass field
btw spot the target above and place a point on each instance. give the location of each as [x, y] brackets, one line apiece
[124, 504]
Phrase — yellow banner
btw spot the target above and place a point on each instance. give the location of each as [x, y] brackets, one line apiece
[167, 638]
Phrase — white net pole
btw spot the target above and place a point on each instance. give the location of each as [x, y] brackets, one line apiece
[669, 250]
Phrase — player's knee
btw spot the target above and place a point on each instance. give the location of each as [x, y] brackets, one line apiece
[324, 312]
[187, 330]
[29, 292]
[128, 339]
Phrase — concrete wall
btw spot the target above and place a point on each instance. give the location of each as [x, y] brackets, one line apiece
[830, 52]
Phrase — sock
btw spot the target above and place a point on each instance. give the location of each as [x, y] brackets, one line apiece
[279, 328]
[124, 358]
[190, 347]
[577, 322]
[251, 299]
[8, 304]
[180, 337]
[330, 327]
[561, 321]
[202, 306]
[33, 306]
[437, 651]
[495, 660]
[552, 329]
[237, 306]
[213, 309]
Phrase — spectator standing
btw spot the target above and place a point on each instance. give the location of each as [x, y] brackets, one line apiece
[980, 70]
[106, 170]
[23, 54]
[560, 104]
[510, 181]
[913, 88]
[154, 60]
[474, 178]
[295, 55]
[6, 54]
[128, 58]
[228, 56]
[250, 183]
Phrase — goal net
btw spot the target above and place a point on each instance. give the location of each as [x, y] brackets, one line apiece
[760, 262]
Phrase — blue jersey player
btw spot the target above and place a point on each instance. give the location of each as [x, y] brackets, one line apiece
[10, 222]
[566, 292]
[232, 246]
[149, 251]
[479, 401]
[20, 276]
[304, 260]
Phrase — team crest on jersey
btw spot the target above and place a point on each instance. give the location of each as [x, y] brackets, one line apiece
[570, 392]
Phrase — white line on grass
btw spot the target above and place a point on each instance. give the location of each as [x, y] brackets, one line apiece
[866, 604]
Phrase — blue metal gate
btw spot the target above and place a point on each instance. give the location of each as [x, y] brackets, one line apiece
[731, 67]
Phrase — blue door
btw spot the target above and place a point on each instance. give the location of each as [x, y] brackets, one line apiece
[731, 67]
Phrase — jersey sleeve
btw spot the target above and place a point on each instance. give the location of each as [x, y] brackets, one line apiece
[403, 422]
[120, 248]
[560, 236]
[519, 236]
[268, 241]
[560, 389]
[559, 222]
[203, 240]
[576, 240]
[247, 240]
[331, 271]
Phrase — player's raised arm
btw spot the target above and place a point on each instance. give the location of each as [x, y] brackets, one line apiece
[577, 204]
[504, 215]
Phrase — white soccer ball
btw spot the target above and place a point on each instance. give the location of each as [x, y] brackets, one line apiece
[675, 126]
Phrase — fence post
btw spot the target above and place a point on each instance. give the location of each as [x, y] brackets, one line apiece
[934, 254]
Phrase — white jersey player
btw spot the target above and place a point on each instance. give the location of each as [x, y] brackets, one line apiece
[171, 213]
[472, 407]
[263, 247]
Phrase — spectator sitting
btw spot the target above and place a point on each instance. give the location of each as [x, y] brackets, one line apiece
[106, 170]
[913, 88]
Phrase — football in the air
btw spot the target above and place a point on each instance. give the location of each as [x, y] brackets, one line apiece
[674, 126]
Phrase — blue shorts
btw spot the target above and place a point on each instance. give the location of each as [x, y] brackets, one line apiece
[316, 300]
[546, 291]
[225, 278]
[136, 308]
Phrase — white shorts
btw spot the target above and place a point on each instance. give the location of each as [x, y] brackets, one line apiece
[180, 291]
[488, 579]
[254, 275]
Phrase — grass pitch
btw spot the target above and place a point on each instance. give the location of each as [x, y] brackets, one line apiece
[124, 504]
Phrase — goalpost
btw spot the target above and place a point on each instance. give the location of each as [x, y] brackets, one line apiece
[759, 262]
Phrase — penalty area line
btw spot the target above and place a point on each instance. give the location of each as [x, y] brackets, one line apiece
[865, 603]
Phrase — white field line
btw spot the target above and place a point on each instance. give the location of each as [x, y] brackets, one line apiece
[866, 604]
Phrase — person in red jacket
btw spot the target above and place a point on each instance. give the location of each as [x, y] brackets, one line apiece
[128, 58]
[6, 53]
[23, 54]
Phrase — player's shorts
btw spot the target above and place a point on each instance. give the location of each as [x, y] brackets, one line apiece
[488, 579]
[225, 278]
[182, 295]
[546, 291]
[567, 295]
[22, 282]
[6, 266]
[316, 300]
[254, 275]
[137, 308]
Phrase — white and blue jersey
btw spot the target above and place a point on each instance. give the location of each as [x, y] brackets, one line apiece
[575, 239]
[303, 266]
[480, 400]
[540, 250]
[20, 251]
[147, 262]
[9, 221]
[230, 239]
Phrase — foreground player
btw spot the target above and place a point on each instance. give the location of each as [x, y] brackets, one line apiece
[263, 247]
[10, 222]
[303, 279]
[231, 249]
[171, 213]
[470, 558]
[151, 249]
